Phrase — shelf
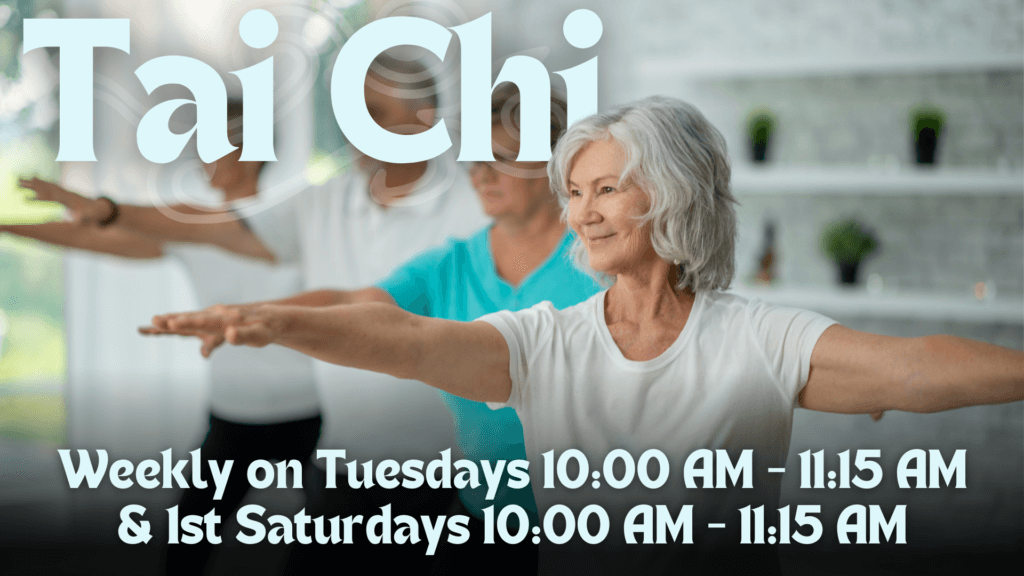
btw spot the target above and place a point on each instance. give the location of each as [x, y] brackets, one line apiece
[865, 180]
[826, 65]
[858, 302]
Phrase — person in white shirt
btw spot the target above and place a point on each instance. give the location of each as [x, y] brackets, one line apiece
[348, 233]
[262, 406]
[661, 360]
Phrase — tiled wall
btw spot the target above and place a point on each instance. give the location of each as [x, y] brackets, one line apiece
[865, 119]
[755, 27]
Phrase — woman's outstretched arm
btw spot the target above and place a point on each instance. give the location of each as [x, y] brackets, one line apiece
[856, 372]
[219, 228]
[468, 359]
[113, 241]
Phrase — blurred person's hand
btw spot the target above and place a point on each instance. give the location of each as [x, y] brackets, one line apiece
[876, 416]
[240, 325]
[81, 209]
[211, 340]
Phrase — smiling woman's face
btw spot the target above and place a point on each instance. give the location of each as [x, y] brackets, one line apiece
[604, 214]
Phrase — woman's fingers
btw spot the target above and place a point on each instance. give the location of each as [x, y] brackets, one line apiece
[876, 416]
[194, 321]
[214, 326]
[155, 331]
[257, 334]
[48, 191]
[211, 340]
[82, 209]
[202, 321]
[210, 343]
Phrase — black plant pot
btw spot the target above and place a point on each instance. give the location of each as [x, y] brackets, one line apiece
[760, 149]
[927, 140]
[848, 272]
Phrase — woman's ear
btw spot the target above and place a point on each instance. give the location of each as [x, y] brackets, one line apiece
[426, 116]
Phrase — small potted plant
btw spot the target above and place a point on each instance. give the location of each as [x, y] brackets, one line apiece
[927, 124]
[847, 243]
[760, 125]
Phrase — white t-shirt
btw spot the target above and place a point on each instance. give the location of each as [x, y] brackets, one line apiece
[273, 384]
[730, 381]
[345, 240]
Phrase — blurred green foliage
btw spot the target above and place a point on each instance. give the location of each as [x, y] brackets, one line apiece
[32, 352]
[760, 125]
[927, 116]
[24, 158]
[33, 417]
[848, 242]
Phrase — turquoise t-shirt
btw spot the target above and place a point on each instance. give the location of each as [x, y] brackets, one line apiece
[458, 281]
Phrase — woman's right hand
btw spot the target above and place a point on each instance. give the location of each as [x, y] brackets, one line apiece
[82, 209]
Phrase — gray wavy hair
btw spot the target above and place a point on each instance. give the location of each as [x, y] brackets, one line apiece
[680, 160]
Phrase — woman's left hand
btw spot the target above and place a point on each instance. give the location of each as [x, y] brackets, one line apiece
[255, 326]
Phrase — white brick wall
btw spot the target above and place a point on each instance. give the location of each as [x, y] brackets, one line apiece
[732, 28]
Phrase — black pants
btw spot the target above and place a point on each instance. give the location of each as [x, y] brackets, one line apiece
[344, 501]
[475, 557]
[244, 444]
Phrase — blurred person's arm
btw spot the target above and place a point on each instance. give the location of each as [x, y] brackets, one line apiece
[312, 299]
[113, 241]
[224, 231]
[468, 359]
[316, 299]
[319, 298]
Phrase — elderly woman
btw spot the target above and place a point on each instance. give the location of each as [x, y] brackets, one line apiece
[662, 359]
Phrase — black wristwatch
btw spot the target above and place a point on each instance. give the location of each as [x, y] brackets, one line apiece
[115, 211]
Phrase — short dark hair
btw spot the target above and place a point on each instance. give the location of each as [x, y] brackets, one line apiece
[413, 79]
[235, 122]
[505, 104]
[235, 126]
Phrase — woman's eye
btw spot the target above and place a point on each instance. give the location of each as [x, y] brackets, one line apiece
[607, 189]
[574, 192]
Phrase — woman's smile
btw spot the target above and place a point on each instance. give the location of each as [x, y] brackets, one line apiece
[599, 239]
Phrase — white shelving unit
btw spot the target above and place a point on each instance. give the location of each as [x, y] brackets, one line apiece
[860, 180]
[858, 302]
[678, 76]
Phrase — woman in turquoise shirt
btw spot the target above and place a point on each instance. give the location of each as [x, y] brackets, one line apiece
[520, 260]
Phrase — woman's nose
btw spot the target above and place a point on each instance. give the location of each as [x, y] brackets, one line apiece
[582, 211]
[481, 172]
